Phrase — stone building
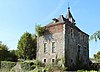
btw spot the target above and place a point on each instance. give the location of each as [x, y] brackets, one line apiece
[64, 39]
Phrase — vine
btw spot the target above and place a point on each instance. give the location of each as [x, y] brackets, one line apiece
[39, 30]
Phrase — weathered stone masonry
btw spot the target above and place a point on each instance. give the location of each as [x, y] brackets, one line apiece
[67, 40]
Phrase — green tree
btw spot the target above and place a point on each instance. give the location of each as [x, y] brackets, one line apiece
[27, 46]
[97, 57]
[3, 46]
[3, 52]
[13, 56]
[95, 36]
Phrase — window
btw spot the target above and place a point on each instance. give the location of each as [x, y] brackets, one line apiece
[80, 35]
[53, 60]
[80, 50]
[53, 47]
[71, 60]
[45, 47]
[85, 51]
[72, 33]
[44, 60]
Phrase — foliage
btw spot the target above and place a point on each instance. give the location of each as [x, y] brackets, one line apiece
[27, 46]
[26, 66]
[3, 46]
[95, 36]
[86, 71]
[13, 56]
[38, 65]
[56, 66]
[97, 57]
[7, 65]
[39, 30]
[5, 54]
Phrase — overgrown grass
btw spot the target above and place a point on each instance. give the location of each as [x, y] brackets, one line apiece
[87, 71]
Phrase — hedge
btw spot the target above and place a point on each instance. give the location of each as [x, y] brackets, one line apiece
[6, 65]
[26, 66]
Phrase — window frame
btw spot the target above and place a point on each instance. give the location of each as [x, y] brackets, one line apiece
[53, 47]
[45, 47]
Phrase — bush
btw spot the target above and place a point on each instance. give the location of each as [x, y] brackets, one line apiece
[95, 66]
[5, 65]
[86, 71]
[26, 66]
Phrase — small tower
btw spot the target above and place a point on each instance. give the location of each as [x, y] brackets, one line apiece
[69, 16]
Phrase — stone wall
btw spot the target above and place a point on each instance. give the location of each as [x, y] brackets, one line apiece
[70, 42]
[52, 36]
[74, 38]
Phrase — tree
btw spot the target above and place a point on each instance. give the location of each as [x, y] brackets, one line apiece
[3, 46]
[95, 36]
[5, 54]
[13, 56]
[27, 46]
[97, 57]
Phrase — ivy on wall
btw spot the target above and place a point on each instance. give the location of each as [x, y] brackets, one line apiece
[39, 30]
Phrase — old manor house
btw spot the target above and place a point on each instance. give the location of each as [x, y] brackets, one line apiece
[64, 39]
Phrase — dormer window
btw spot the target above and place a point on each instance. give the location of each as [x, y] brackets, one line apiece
[55, 20]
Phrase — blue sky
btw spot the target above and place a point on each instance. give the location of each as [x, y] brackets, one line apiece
[19, 16]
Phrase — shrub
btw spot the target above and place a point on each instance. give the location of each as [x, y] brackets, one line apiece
[7, 65]
[26, 66]
[86, 71]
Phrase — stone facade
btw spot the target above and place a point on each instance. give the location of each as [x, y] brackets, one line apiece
[64, 39]
[56, 35]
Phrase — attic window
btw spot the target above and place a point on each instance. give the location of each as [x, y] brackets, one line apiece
[55, 20]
